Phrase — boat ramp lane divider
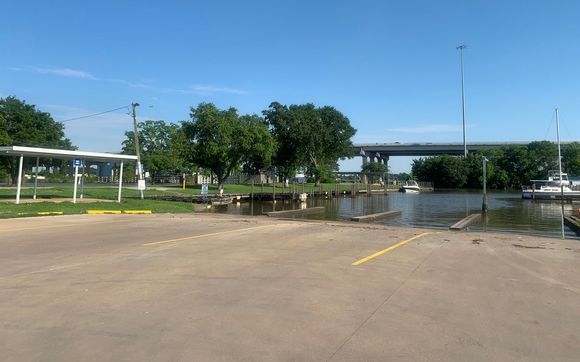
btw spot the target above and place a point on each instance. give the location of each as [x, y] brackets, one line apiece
[132, 212]
[373, 217]
[309, 210]
[573, 222]
[465, 222]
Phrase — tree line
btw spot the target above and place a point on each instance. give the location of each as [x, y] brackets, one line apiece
[286, 139]
[509, 166]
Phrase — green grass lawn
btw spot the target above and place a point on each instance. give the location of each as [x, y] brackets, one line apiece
[130, 200]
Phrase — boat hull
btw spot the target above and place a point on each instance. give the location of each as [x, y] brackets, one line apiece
[410, 190]
[550, 195]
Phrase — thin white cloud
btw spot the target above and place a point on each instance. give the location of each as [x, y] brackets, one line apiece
[129, 84]
[62, 72]
[212, 89]
[434, 128]
[204, 90]
[195, 89]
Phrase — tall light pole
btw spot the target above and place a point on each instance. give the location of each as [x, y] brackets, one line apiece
[137, 147]
[461, 47]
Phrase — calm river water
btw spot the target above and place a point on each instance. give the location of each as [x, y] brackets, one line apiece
[440, 209]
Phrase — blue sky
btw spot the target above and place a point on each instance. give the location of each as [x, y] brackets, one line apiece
[390, 66]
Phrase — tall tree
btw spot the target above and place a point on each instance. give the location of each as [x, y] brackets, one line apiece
[571, 158]
[374, 171]
[220, 140]
[309, 137]
[21, 124]
[159, 147]
[258, 145]
[543, 157]
[445, 171]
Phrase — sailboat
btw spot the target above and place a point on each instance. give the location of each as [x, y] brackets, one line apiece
[557, 186]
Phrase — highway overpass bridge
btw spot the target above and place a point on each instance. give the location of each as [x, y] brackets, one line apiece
[380, 152]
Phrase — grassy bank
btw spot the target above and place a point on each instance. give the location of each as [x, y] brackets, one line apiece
[131, 200]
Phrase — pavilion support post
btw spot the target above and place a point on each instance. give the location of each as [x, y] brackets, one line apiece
[120, 182]
[36, 177]
[19, 185]
[76, 184]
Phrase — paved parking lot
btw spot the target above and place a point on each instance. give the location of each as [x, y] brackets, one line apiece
[215, 287]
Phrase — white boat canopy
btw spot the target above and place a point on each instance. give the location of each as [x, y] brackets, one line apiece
[23, 151]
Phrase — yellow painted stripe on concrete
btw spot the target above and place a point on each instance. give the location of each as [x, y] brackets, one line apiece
[100, 212]
[379, 253]
[50, 213]
[137, 212]
[206, 235]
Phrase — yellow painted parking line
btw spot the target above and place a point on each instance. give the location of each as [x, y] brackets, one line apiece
[206, 235]
[401, 243]
[100, 212]
[135, 212]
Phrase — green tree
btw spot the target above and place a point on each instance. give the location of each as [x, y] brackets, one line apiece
[543, 158]
[258, 145]
[220, 140]
[571, 158]
[374, 171]
[309, 137]
[22, 124]
[158, 141]
[444, 171]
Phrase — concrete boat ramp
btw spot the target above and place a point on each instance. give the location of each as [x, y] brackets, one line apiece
[206, 287]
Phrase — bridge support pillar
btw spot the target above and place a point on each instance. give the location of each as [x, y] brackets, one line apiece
[365, 160]
[386, 163]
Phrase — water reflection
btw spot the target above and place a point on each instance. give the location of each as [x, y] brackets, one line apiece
[507, 211]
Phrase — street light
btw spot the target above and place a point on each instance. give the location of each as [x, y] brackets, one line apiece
[461, 47]
[484, 203]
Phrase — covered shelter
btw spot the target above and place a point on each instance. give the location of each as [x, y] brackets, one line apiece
[22, 151]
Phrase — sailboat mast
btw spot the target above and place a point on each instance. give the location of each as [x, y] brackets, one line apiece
[559, 151]
[560, 168]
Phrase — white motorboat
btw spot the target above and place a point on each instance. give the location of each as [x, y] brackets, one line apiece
[410, 187]
[554, 188]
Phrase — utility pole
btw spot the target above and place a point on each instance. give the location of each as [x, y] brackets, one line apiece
[461, 47]
[137, 147]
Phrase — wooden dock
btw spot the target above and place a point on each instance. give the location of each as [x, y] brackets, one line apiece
[465, 222]
[377, 216]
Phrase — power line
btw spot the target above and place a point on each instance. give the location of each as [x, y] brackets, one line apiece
[94, 114]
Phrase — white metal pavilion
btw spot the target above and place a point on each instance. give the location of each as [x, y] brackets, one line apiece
[21, 151]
